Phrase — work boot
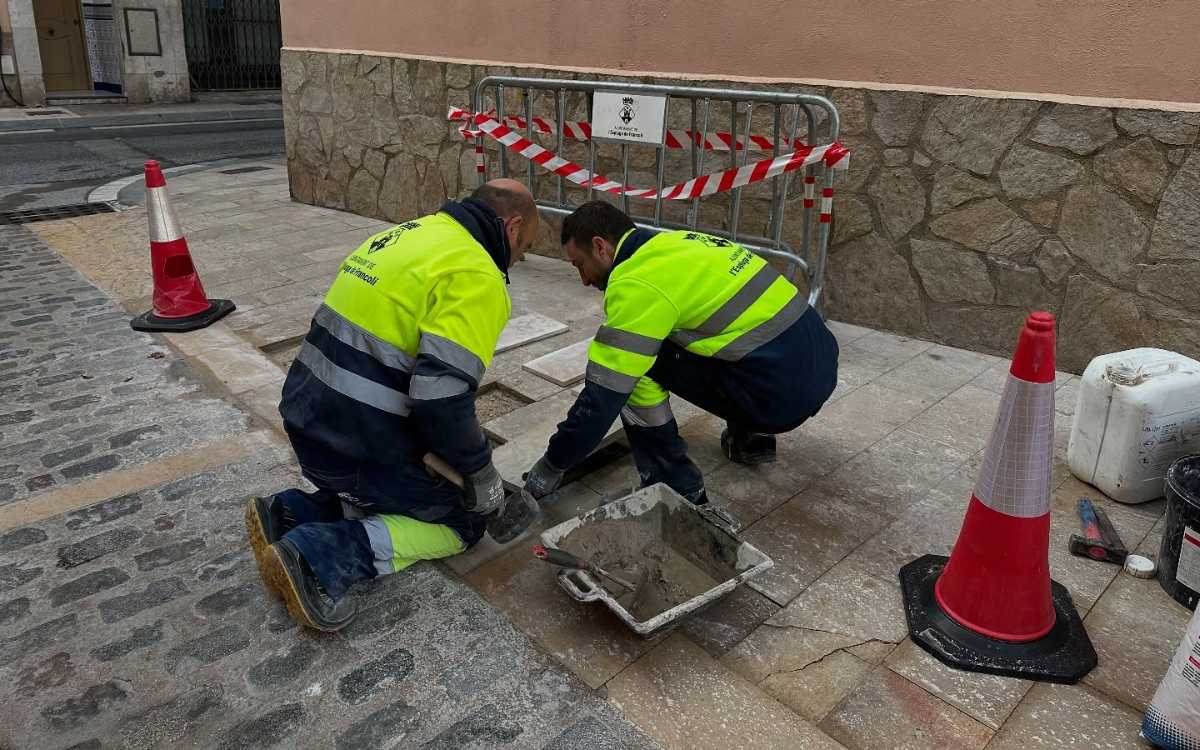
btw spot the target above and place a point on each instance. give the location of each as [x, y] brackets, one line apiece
[749, 448]
[306, 600]
[264, 527]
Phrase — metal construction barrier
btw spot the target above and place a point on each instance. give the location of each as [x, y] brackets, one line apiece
[621, 118]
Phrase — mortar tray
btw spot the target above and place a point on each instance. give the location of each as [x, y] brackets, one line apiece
[700, 534]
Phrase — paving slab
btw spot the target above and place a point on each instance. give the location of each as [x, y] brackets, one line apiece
[859, 597]
[986, 698]
[1133, 646]
[525, 329]
[846, 332]
[586, 638]
[962, 420]
[1069, 716]
[862, 418]
[895, 473]
[889, 711]
[722, 626]
[564, 367]
[810, 671]
[805, 537]
[710, 706]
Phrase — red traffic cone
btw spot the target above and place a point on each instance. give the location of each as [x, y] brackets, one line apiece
[179, 300]
[991, 607]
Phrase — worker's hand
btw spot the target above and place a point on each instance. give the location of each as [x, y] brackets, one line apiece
[483, 492]
[542, 479]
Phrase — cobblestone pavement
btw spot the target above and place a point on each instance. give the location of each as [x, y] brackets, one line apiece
[82, 392]
[138, 620]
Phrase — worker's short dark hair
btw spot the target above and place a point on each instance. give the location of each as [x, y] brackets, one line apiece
[506, 202]
[595, 219]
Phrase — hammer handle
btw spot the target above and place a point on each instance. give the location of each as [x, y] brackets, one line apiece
[437, 465]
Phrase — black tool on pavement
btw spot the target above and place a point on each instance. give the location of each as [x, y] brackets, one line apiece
[562, 558]
[520, 510]
[1100, 540]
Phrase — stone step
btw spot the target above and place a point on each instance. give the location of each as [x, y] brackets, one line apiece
[526, 329]
[564, 367]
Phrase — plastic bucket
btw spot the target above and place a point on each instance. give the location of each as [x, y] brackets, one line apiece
[1179, 553]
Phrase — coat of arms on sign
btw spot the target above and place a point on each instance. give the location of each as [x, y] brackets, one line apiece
[628, 111]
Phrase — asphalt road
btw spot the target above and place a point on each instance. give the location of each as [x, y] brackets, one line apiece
[39, 170]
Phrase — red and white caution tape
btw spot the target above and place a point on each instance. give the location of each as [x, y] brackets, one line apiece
[833, 155]
[582, 131]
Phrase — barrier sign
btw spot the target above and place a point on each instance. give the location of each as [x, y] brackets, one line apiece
[632, 118]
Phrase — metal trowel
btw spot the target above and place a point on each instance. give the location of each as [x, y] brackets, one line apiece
[520, 510]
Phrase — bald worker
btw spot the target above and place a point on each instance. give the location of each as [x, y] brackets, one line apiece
[388, 372]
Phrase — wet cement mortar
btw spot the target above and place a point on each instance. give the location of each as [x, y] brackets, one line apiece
[666, 572]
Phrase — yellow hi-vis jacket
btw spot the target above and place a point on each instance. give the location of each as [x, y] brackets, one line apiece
[392, 360]
[706, 294]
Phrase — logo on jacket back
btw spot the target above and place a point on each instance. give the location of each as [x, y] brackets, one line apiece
[384, 240]
[707, 240]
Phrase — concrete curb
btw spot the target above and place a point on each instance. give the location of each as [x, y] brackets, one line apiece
[143, 118]
[128, 192]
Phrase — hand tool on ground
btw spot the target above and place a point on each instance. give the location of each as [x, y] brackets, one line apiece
[520, 510]
[562, 558]
[1100, 540]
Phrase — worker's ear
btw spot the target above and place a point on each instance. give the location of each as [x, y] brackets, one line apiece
[602, 249]
[512, 228]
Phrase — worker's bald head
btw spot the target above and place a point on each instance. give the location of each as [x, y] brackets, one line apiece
[507, 198]
[514, 204]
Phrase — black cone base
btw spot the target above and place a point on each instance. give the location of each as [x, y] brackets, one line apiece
[1063, 655]
[148, 321]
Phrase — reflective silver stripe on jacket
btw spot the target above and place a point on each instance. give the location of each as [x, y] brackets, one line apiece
[648, 416]
[381, 544]
[356, 338]
[351, 384]
[628, 341]
[452, 353]
[610, 378]
[429, 387]
[763, 332]
[723, 316]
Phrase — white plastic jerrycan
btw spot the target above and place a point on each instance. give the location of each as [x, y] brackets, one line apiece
[1138, 410]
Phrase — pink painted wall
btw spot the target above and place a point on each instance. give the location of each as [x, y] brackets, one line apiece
[1129, 49]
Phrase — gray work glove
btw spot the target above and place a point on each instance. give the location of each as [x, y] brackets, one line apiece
[483, 491]
[542, 479]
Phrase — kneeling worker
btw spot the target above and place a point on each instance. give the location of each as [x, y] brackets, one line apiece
[388, 371]
[697, 316]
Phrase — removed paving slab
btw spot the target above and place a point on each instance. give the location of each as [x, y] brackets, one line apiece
[526, 329]
[564, 367]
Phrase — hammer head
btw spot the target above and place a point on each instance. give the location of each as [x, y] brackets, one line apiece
[1098, 549]
[520, 512]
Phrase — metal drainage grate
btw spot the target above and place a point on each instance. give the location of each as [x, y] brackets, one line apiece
[32, 215]
[243, 170]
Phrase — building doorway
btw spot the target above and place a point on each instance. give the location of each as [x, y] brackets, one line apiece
[232, 44]
[61, 44]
